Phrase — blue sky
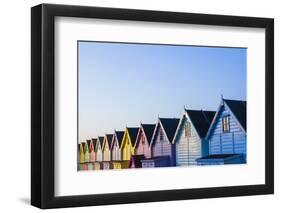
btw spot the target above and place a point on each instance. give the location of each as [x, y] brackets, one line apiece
[124, 84]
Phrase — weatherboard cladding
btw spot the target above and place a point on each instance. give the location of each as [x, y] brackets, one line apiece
[99, 149]
[86, 151]
[115, 146]
[92, 149]
[142, 146]
[164, 146]
[128, 142]
[161, 161]
[234, 141]
[190, 147]
[106, 147]
[221, 159]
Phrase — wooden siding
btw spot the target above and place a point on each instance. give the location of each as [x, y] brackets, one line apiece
[81, 155]
[142, 145]
[86, 153]
[116, 165]
[213, 161]
[156, 162]
[188, 148]
[162, 147]
[90, 166]
[97, 166]
[99, 155]
[105, 165]
[106, 153]
[232, 142]
[115, 151]
[92, 156]
[127, 149]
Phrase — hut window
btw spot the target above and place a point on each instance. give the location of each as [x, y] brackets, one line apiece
[226, 123]
[187, 129]
[161, 133]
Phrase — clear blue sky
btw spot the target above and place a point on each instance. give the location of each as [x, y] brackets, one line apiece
[124, 84]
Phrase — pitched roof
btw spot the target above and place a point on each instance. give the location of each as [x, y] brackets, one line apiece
[148, 131]
[170, 126]
[133, 132]
[109, 138]
[119, 136]
[94, 141]
[100, 140]
[88, 143]
[83, 145]
[201, 120]
[239, 109]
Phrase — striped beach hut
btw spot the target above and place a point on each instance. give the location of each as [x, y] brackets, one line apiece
[115, 145]
[144, 137]
[227, 135]
[128, 143]
[163, 151]
[190, 136]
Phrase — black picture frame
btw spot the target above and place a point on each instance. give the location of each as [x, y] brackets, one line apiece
[43, 101]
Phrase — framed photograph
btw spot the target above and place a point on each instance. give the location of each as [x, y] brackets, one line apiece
[136, 106]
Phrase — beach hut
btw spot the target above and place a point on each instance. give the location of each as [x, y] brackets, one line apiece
[227, 135]
[106, 147]
[190, 136]
[162, 148]
[86, 151]
[99, 149]
[115, 145]
[83, 162]
[128, 143]
[92, 150]
[144, 137]
[87, 155]
[81, 154]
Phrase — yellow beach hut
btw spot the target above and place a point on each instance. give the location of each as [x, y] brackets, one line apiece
[128, 143]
